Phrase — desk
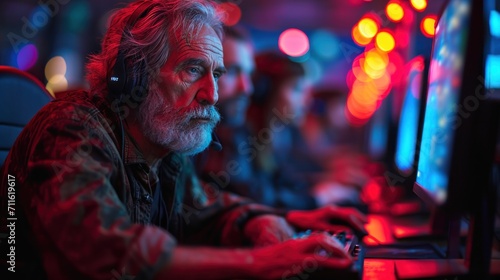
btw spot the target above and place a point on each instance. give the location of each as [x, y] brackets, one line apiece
[379, 269]
[380, 227]
[385, 269]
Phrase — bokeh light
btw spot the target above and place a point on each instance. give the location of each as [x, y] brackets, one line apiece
[55, 66]
[368, 27]
[231, 13]
[56, 84]
[428, 26]
[385, 41]
[55, 71]
[325, 44]
[293, 42]
[360, 74]
[419, 5]
[394, 11]
[495, 23]
[77, 16]
[492, 79]
[27, 57]
[376, 59]
[358, 38]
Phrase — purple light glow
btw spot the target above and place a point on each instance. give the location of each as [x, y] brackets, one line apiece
[27, 57]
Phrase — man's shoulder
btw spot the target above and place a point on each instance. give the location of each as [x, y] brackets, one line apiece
[72, 111]
[80, 99]
[75, 105]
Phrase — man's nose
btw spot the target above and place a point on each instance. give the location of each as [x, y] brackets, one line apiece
[208, 94]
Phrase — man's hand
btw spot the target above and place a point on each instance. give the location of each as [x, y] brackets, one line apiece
[268, 230]
[328, 218]
[301, 257]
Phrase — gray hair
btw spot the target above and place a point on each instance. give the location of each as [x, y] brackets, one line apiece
[151, 37]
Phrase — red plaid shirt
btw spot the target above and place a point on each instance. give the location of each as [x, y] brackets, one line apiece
[84, 212]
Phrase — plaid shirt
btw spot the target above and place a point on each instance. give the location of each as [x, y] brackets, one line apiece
[83, 212]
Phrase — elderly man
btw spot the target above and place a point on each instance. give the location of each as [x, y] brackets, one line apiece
[101, 182]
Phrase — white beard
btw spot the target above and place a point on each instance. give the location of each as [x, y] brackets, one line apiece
[175, 129]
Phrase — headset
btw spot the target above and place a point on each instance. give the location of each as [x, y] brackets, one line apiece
[127, 78]
[123, 81]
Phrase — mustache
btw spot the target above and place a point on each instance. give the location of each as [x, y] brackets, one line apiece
[208, 112]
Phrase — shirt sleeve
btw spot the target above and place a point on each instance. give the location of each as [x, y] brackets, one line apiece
[216, 217]
[80, 227]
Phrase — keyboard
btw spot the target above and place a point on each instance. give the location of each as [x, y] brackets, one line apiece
[353, 246]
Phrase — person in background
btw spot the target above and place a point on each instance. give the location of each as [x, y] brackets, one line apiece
[336, 145]
[282, 100]
[326, 128]
[103, 185]
[232, 168]
[279, 104]
[241, 165]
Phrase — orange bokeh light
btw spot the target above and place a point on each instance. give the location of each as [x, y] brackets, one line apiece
[358, 38]
[394, 11]
[419, 5]
[360, 74]
[368, 27]
[385, 41]
[428, 26]
[376, 59]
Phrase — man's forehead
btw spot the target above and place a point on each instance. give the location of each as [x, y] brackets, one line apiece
[205, 44]
[205, 36]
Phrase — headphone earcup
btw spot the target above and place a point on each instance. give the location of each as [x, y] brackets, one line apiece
[137, 82]
[117, 77]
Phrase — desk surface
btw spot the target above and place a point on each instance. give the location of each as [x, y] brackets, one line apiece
[380, 228]
[378, 269]
[385, 269]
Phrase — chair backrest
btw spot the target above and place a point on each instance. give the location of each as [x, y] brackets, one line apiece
[21, 96]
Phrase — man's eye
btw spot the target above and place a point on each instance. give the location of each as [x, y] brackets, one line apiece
[194, 70]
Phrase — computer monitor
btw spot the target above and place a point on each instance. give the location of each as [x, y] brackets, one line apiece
[492, 79]
[402, 172]
[459, 131]
[411, 118]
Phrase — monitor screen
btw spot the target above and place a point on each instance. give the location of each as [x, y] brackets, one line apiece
[409, 118]
[445, 81]
[492, 67]
[379, 132]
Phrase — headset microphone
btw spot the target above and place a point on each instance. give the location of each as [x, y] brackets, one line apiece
[215, 144]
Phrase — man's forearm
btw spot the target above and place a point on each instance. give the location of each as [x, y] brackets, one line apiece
[210, 263]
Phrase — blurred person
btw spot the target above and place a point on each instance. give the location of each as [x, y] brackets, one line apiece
[230, 168]
[236, 168]
[101, 182]
[332, 141]
[325, 127]
[282, 100]
[279, 104]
